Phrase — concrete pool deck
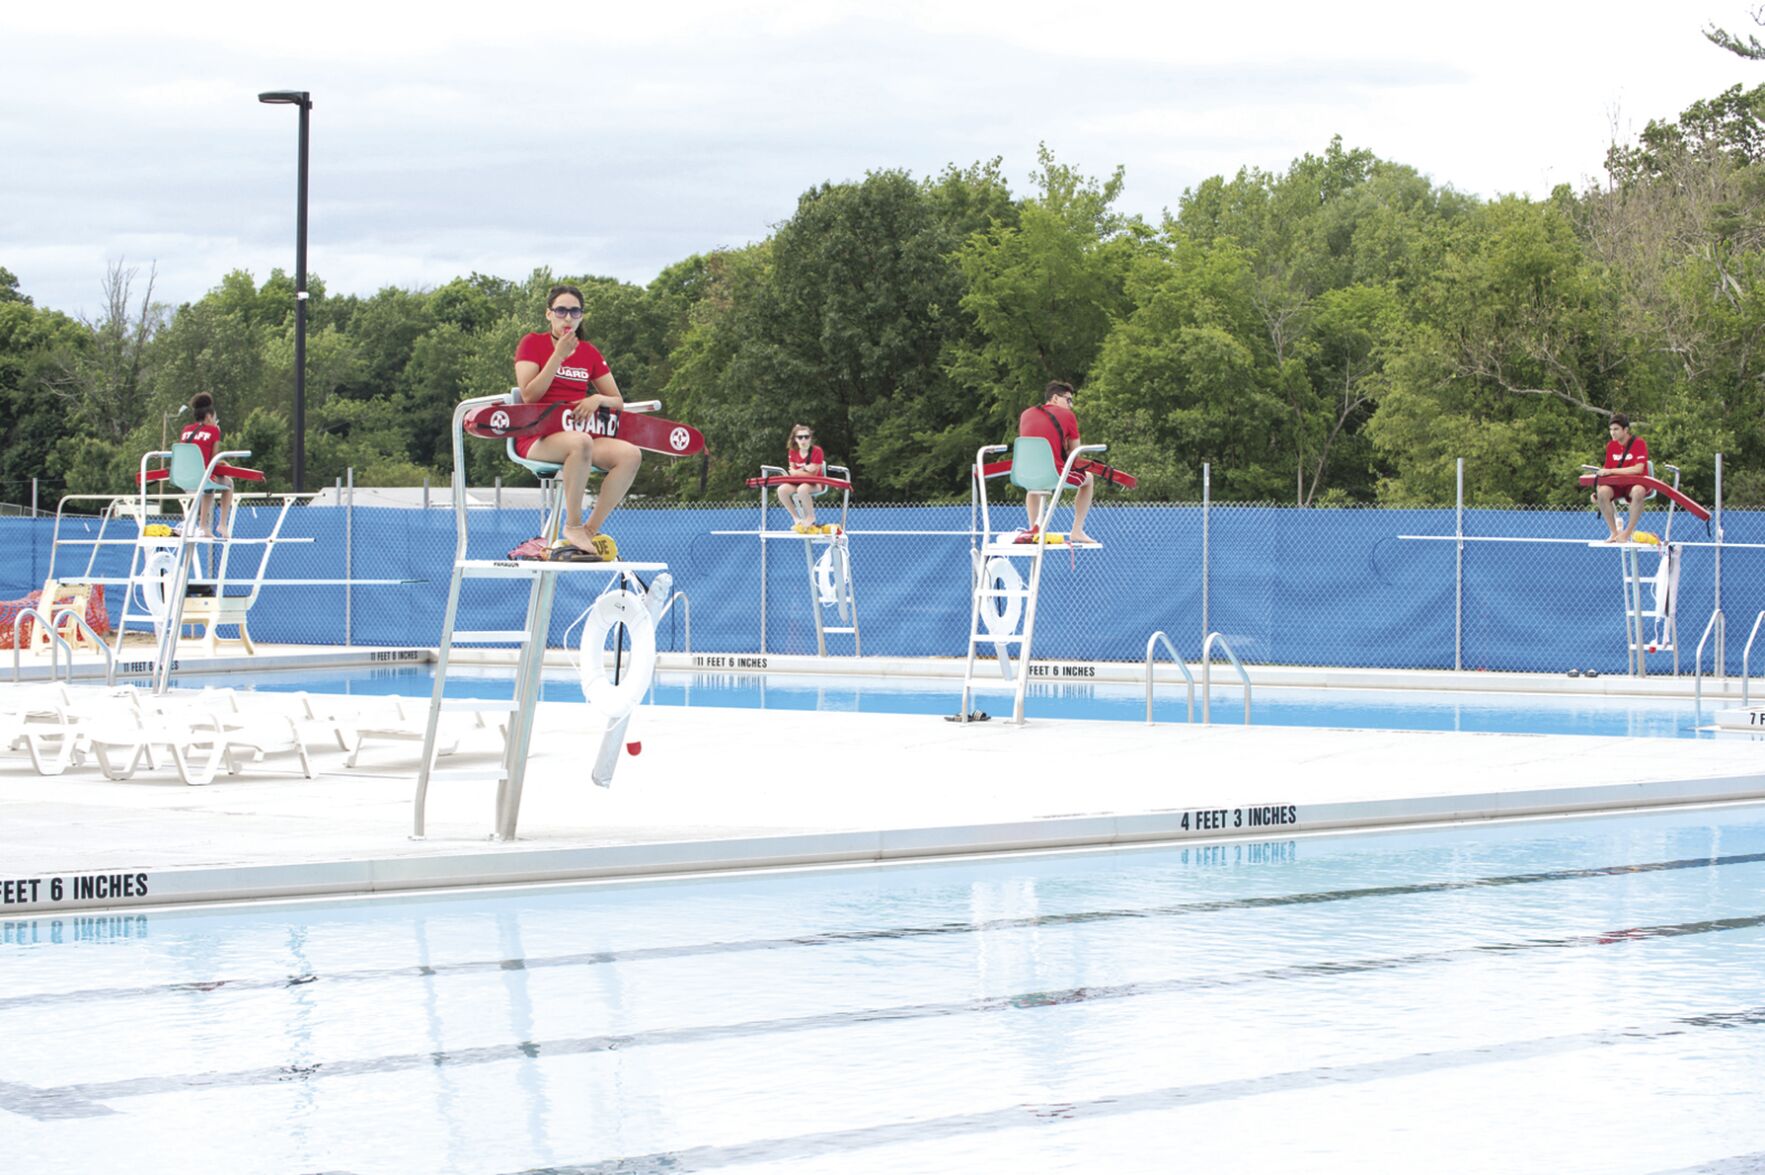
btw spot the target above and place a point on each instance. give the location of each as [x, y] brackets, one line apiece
[715, 789]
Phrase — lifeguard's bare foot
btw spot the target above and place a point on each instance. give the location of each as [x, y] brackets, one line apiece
[579, 537]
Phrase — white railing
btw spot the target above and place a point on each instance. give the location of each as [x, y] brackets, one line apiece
[1214, 638]
[1697, 689]
[57, 642]
[686, 613]
[1746, 678]
[1152, 643]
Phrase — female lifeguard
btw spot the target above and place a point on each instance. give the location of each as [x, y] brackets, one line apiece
[204, 431]
[802, 455]
[558, 365]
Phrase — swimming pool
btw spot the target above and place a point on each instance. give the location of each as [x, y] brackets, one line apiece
[1582, 995]
[1361, 709]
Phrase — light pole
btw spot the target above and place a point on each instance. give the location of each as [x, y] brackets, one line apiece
[304, 100]
[165, 419]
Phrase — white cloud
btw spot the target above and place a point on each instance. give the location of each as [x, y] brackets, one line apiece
[452, 136]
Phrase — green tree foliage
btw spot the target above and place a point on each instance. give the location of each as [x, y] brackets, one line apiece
[1342, 330]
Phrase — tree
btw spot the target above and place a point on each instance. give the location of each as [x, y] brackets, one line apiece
[104, 383]
[1044, 291]
[32, 421]
[1751, 49]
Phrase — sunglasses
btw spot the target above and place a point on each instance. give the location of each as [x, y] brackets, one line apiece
[805, 436]
[567, 311]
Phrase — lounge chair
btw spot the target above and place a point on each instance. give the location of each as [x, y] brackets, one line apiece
[199, 745]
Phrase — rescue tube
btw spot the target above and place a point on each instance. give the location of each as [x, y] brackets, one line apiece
[793, 479]
[610, 701]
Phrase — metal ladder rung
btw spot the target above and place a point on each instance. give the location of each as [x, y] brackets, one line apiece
[847, 631]
[989, 639]
[490, 636]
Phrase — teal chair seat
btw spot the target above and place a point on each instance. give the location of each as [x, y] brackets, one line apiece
[188, 467]
[1032, 465]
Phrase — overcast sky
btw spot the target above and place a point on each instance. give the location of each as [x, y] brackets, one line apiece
[449, 137]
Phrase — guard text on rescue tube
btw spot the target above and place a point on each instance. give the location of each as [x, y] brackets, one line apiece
[81, 887]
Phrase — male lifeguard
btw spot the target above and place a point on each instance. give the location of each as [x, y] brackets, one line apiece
[1626, 455]
[1053, 420]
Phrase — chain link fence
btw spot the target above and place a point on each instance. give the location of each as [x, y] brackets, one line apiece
[1354, 587]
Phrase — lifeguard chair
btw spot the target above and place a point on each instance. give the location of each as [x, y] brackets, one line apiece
[626, 601]
[1650, 625]
[833, 600]
[1003, 611]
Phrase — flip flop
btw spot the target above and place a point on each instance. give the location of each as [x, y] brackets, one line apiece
[569, 553]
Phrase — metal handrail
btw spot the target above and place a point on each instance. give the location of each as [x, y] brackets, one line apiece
[1745, 677]
[686, 610]
[1698, 668]
[1152, 643]
[1214, 638]
[980, 486]
[92, 636]
[57, 642]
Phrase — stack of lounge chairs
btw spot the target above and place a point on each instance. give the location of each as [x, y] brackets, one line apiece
[123, 732]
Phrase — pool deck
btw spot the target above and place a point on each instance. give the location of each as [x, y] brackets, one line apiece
[720, 789]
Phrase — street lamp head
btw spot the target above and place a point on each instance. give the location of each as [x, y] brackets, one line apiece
[286, 98]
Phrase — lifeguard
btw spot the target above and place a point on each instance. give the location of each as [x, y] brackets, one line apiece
[1054, 421]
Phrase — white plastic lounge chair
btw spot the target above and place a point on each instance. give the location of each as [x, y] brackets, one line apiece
[407, 723]
[50, 743]
[199, 749]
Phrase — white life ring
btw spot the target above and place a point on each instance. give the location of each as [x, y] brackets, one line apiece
[1001, 617]
[157, 574]
[614, 702]
[833, 577]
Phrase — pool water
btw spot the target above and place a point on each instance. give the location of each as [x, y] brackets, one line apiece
[1391, 709]
[1569, 995]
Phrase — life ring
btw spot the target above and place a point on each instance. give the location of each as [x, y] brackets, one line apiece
[156, 579]
[614, 702]
[833, 574]
[1001, 617]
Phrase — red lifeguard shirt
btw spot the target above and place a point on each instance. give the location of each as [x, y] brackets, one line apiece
[205, 435]
[1620, 453]
[817, 462]
[570, 384]
[1054, 423]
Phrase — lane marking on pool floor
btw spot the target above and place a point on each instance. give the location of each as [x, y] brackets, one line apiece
[842, 937]
[84, 1099]
[839, 937]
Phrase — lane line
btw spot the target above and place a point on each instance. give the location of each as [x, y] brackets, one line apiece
[841, 937]
[27, 1099]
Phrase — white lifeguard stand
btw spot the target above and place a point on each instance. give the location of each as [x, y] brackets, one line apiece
[635, 609]
[1004, 599]
[1651, 602]
[833, 600]
[164, 570]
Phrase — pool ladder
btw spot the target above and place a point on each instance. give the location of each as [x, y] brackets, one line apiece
[1213, 638]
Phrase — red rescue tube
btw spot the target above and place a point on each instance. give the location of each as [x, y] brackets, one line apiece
[1102, 472]
[799, 479]
[1625, 481]
[238, 471]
